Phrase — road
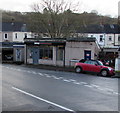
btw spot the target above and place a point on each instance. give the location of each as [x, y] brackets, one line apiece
[30, 89]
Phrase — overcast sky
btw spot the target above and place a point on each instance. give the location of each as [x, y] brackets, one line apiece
[104, 7]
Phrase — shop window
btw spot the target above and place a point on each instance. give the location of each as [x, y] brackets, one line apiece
[46, 53]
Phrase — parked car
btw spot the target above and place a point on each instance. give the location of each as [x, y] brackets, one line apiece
[8, 57]
[94, 66]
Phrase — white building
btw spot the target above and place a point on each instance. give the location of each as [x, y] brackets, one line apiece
[13, 34]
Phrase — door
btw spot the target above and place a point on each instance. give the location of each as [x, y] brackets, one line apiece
[35, 55]
[87, 55]
[18, 55]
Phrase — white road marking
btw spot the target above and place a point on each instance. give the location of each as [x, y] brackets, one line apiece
[65, 80]
[70, 80]
[55, 77]
[76, 83]
[95, 85]
[29, 71]
[116, 93]
[88, 86]
[44, 100]
[46, 74]
[40, 74]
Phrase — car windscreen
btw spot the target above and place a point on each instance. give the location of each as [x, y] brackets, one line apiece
[100, 63]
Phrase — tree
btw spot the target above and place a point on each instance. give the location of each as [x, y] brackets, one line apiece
[52, 16]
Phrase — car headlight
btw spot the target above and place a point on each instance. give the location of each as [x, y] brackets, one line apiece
[109, 69]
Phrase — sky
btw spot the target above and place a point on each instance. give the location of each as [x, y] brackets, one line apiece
[103, 7]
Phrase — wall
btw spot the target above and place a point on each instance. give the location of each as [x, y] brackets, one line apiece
[97, 36]
[75, 50]
[109, 43]
[20, 36]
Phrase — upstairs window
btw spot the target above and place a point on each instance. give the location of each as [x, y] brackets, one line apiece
[110, 38]
[25, 35]
[5, 36]
[16, 35]
[119, 38]
[101, 38]
[91, 35]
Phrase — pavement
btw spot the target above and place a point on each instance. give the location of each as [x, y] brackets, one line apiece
[57, 68]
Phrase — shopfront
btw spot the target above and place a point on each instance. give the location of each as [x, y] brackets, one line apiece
[48, 52]
[59, 52]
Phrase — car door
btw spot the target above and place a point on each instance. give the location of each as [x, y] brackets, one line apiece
[88, 66]
[95, 67]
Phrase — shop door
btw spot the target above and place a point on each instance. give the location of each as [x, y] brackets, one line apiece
[87, 55]
[18, 55]
[35, 55]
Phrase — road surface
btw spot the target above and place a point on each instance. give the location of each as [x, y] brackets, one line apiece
[30, 89]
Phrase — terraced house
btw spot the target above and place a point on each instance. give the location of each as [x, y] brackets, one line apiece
[12, 41]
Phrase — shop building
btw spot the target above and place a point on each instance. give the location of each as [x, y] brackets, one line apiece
[59, 51]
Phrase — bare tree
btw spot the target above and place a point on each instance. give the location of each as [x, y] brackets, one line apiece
[52, 16]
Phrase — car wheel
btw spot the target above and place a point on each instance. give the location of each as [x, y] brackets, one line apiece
[104, 73]
[78, 69]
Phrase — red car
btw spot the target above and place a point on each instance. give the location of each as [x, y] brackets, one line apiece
[94, 66]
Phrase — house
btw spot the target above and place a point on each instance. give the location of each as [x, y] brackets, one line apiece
[60, 51]
[11, 36]
[108, 37]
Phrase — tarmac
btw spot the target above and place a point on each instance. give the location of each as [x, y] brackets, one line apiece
[57, 68]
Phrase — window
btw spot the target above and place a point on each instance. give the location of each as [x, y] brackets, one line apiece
[91, 62]
[110, 38]
[46, 53]
[91, 35]
[101, 38]
[16, 35]
[6, 36]
[25, 35]
[119, 38]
